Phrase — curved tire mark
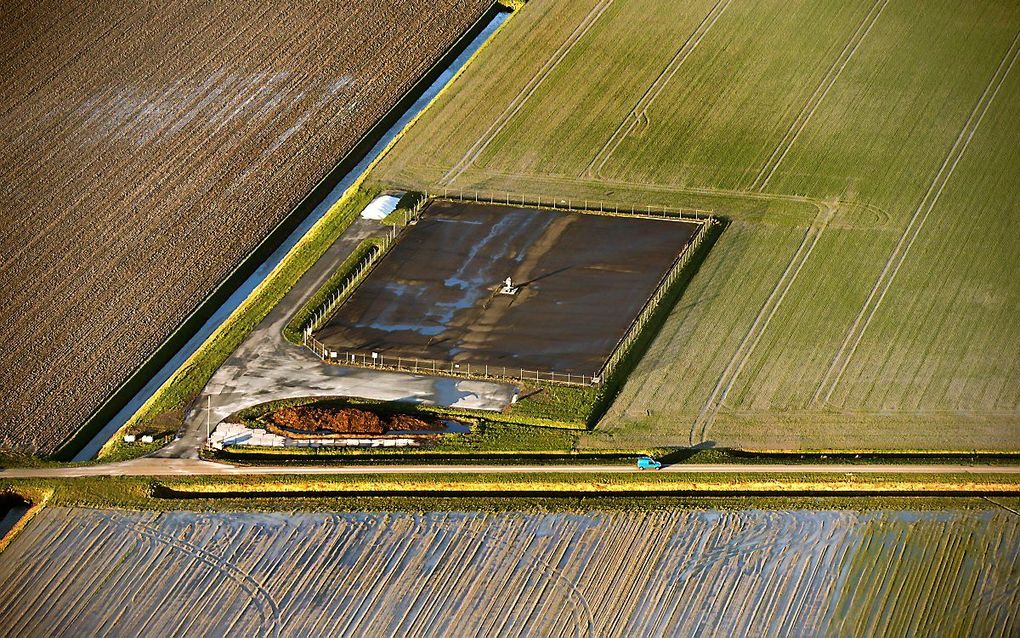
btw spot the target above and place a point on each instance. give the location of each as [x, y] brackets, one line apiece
[264, 602]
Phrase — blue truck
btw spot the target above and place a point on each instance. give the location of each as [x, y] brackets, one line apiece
[648, 463]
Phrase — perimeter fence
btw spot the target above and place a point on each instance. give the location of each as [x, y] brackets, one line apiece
[418, 365]
[652, 305]
[360, 270]
[597, 206]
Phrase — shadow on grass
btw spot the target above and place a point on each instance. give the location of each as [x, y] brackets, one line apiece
[687, 455]
[614, 384]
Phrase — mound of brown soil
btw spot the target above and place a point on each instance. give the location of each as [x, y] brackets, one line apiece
[408, 423]
[342, 421]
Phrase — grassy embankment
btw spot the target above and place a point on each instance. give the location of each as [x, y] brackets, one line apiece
[36, 496]
[524, 491]
[528, 491]
[846, 306]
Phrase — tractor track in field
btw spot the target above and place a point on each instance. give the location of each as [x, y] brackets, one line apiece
[745, 349]
[682, 572]
[879, 218]
[639, 113]
[525, 93]
[761, 181]
[260, 596]
[847, 350]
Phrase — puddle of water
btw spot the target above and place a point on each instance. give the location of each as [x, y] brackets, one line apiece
[10, 515]
[449, 427]
[242, 293]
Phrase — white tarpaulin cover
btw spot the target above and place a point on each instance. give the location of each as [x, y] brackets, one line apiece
[380, 207]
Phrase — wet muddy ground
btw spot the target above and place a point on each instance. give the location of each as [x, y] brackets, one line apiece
[699, 572]
[582, 277]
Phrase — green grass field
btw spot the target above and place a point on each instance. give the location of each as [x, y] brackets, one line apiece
[865, 293]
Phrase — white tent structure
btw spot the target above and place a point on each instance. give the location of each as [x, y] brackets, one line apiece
[380, 207]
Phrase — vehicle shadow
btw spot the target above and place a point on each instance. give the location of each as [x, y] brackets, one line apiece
[685, 455]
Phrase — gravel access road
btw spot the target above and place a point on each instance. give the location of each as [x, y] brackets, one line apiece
[195, 467]
[267, 367]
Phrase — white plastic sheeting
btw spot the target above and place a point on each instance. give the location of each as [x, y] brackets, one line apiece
[380, 207]
[227, 434]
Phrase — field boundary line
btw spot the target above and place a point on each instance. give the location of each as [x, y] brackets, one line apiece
[761, 322]
[761, 181]
[640, 109]
[1003, 506]
[476, 149]
[876, 295]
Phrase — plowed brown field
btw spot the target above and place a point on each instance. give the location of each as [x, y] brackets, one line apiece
[146, 149]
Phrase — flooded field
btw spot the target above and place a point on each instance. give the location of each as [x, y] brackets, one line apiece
[582, 279]
[92, 572]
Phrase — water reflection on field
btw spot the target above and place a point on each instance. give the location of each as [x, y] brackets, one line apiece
[796, 572]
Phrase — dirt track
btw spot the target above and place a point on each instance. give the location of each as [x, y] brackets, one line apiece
[147, 148]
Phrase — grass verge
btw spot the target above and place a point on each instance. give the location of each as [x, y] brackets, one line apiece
[588, 483]
[38, 497]
[604, 492]
[292, 331]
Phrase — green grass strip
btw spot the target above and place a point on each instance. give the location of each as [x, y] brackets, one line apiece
[292, 331]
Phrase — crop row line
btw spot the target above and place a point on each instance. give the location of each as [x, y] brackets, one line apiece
[525, 93]
[640, 110]
[855, 335]
[761, 181]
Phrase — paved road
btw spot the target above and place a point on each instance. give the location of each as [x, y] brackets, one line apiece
[267, 367]
[194, 467]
